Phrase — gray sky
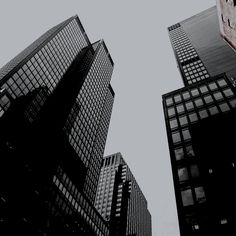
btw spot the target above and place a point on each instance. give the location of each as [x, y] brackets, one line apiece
[145, 68]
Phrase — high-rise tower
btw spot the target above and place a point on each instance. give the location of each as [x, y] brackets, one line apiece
[199, 120]
[120, 200]
[55, 107]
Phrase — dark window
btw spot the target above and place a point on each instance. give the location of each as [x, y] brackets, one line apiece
[179, 154]
[187, 197]
[183, 174]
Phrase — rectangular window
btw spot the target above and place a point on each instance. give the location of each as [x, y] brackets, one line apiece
[228, 92]
[186, 95]
[180, 108]
[187, 197]
[193, 117]
[189, 105]
[194, 171]
[224, 107]
[200, 194]
[186, 134]
[171, 111]
[179, 154]
[173, 123]
[183, 120]
[183, 174]
[203, 113]
[176, 137]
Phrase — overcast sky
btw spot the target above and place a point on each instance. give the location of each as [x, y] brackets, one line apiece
[145, 68]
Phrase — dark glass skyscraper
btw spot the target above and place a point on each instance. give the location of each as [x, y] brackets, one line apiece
[55, 107]
[120, 200]
[199, 120]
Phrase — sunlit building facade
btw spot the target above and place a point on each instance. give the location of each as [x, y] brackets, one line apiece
[55, 107]
[120, 200]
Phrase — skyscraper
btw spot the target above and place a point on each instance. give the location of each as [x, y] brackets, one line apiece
[55, 106]
[199, 119]
[199, 48]
[120, 200]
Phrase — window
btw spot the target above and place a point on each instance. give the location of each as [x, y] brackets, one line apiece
[194, 171]
[224, 107]
[177, 98]
[195, 92]
[208, 99]
[228, 92]
[176, 137]
[169, 101]
[218, 95]
[233, 102]
[171, 111]
[203, 113]
[213, 110]
[193, 117]
[180, 108]
[189, 151]
[212, 86]
[222, 83]
[187, 197]
[203, 89]
[186, 134]
[183, 120]
[189, 105]
[179, 154]
[200, 195]
[186, 95]
[198, 102]
[183, 174]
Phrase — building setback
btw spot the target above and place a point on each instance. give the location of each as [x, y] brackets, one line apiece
[120, 200]
[55, 107]
[200, 123]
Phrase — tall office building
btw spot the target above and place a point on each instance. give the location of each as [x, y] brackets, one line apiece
[199, 119]
[55, 107]
[199, 48]
[120, 200]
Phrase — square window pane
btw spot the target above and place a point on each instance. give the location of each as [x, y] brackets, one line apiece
[208, 99]
[177, 98]
[183, 174]
[186, 134]
[224, 107]
[218, 95]
[186, 95]
[203, 113]
[171, 111]
[176, 137]
[195, 92]
[169, 101]
[189, 151]
[194, 171]
[222, 82]
[183, 120]
[233, 102]
[228, 92]
[212, 86]
[198, 102]
[203, 89]
[179, 154]
[213, 110]
[200, 195]
[189, 105]
[180, 108]
[173, 123]
[187, 197]
[193, 117]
